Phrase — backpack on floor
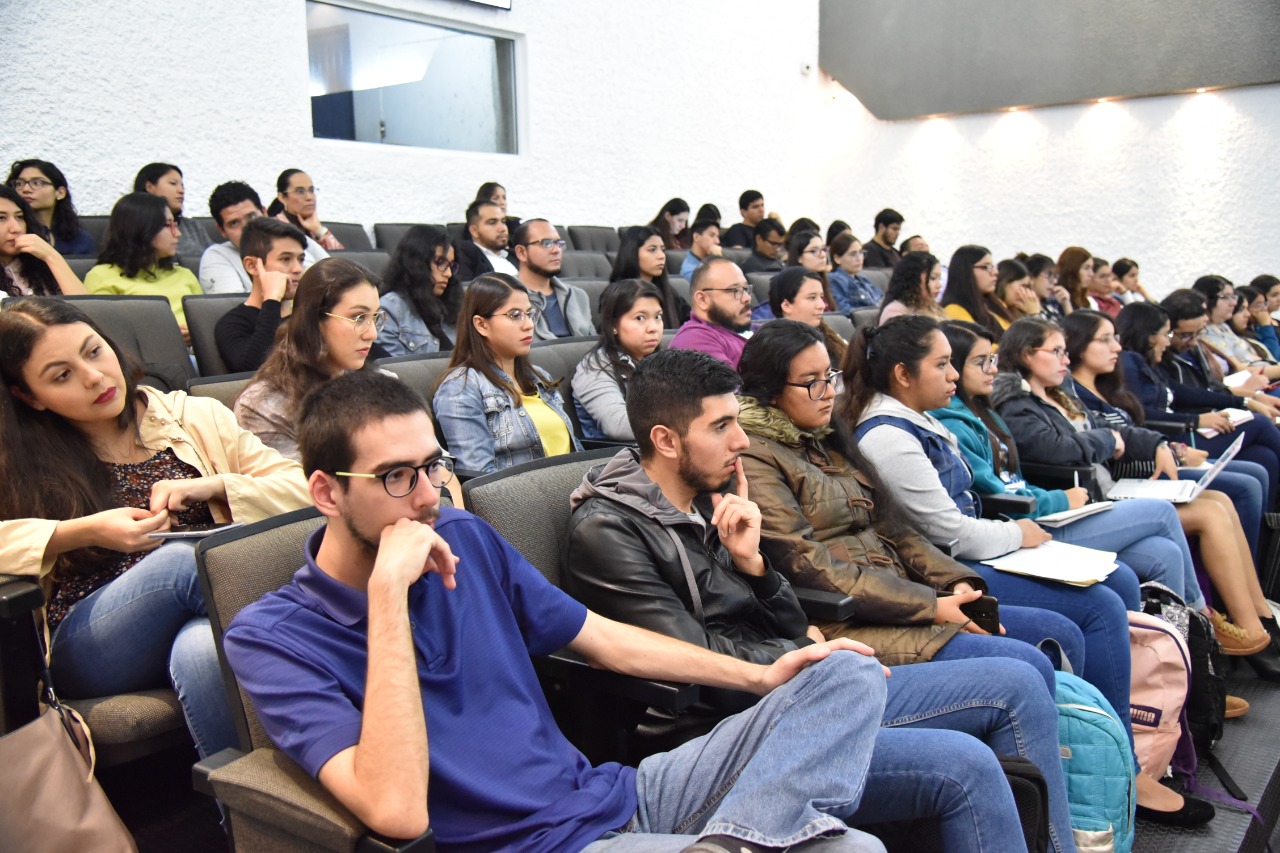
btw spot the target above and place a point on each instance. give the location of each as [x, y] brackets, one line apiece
[1098, 766]
[1158, 685]
[1207, 698]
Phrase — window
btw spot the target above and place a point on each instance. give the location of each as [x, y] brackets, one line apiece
[375, 78]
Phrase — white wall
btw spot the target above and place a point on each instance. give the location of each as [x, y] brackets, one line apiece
[626, 103]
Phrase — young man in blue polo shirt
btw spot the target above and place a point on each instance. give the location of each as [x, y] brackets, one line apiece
[395, 668]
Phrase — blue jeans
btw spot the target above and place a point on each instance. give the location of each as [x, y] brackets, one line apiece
[1025, 628]
[1146, 536]
[1261, 446]
[147, 629]
[1245, 483]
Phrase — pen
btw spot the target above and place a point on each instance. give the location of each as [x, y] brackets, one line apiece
[1075, 478]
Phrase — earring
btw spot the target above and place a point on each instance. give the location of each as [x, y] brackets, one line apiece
[615, 333]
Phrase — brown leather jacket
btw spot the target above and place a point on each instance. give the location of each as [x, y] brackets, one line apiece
[820, 531]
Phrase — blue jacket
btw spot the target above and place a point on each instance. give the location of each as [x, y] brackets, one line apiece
[971, 433]
[482, 426]
[405, 333]
[852, 292]
[1167, 393]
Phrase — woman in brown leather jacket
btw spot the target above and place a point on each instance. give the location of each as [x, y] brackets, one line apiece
[825, 527]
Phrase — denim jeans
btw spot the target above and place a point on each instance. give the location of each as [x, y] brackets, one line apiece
[1146, 536]
[1261, 447]
[1025, 628]
[781, 772]
[1245, 483]
[147, 629]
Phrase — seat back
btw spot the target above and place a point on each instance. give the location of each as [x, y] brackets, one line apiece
[372, 260]
[865, 317]
[388, 234]
[81, 265]
[682, 287]
[223, 388]
[759, 282]
[351, 235]
[839, 324]
[585, 265]
[144, 327]
[96, 227]
[594, 238]
[210, 226]
[675, 260]
[529, 504]
[594, 288]
[560, 357]
[738, 256]
[420, 371]
[879, 277]
[203, 313]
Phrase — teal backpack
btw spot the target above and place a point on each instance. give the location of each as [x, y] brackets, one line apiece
[1098, 765]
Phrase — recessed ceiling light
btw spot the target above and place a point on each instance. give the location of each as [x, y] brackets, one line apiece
[1013, 109]
[1102, 100]
[1201, 91]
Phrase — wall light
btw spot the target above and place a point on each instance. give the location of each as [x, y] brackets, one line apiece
[1201, 91]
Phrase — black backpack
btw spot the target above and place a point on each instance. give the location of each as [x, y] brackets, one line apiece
[1207, 698]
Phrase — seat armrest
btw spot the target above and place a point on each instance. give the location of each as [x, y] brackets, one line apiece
[601, 443]
[948, 547]
[19, 595]
[1170, 429]
[464, 474]
[994, 506]
[1062, 477]
[819, 605]
[667, 695]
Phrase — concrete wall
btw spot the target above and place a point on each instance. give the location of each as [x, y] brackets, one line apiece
[624, 104]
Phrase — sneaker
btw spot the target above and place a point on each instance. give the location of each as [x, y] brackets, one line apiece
[1234, 639]
[1236, 707]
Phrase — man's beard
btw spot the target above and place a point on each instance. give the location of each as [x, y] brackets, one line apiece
[697, 480]
[370, 545]
[542, 271]
[723, 318]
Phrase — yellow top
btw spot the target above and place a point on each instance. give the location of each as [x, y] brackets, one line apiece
[172, 284]
[550, 426]
[956, 312]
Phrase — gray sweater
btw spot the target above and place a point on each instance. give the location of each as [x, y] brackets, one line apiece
[574, 303]
[908, 474]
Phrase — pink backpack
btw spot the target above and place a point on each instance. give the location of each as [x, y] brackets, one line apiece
[1157, 690]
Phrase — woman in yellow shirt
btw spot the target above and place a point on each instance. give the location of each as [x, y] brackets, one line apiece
[971, 291]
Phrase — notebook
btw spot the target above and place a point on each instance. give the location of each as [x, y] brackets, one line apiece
[1175, 491]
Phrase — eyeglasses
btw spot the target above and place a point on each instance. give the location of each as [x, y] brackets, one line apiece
[401, 480]
[172, 225]
[991, 268]
[779, 244]
[549, 244]
[984, 362]
[1057, 352]
[818, 388]
[302, 192]
[516, 315]
[820, 251]
[362, 321]
[1108, 340]
[34, 183]
[442, 263]
[1186, 336]
[735, 293]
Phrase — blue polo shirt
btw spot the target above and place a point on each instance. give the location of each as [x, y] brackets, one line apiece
[502, 777]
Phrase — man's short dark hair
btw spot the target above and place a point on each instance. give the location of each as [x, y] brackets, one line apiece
[228, 194]
[330, 415]
[261, 233]
[749, 198]
[700, 225]
[888, 217]
[521, 235]
[668, 388]
[1183, 304]
[473, 210]
[767, 227]
[903, 246]
[698, 280]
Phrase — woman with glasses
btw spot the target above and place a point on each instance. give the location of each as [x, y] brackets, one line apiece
[806, 250]
[630, 331]
[29, 266]
[496, 409]
[165, 180]
[335, 321]
[913, 288]
[850, 289]
[139, 255]
[43, 186]
[1255, 325]
[420, 294]
[641, 255]
[296, 202]
[92, 464]
[1055, 301]
[895, 375]
[971, 291]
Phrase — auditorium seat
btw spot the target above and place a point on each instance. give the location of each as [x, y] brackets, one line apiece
[675, 260]
[865, 317]
[351, 235]
[594, 238]
[839, 324]
[738, 256]
[223, 388]
[96, 226]
[144, 327]
[373, 260]
[681, 287]
[595, 289]
[80, 265]
[389, 234]
[759, 282]
[559, 358]
[203, 313]
[456, 230]
[585, 265]
[879, 277]
[210, 225]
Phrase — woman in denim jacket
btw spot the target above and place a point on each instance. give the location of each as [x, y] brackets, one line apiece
[495, 408]
[420, 294]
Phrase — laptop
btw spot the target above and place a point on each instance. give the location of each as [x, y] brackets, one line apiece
[1175, 491]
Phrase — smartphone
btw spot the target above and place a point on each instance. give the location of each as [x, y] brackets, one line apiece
[194, 531]
[985, 613]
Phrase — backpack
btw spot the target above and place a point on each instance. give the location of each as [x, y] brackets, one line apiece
[1098, 766]
[953, 469]
[1157, 690]
[1207, 699]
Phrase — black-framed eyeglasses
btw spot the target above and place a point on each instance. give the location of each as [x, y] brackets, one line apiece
[549, 244]
[1057, 352]
[984, 362]
[818, 387]
[443, 264]
[516, 315]
[735, 293]
[401, 480]
[34, 183]
[1186, 336]
[989, 267]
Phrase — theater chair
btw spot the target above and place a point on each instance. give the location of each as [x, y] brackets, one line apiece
[203, 313]
[594, 238]
[144, 327]
[223, 388]
[590, 265]
[351, 235]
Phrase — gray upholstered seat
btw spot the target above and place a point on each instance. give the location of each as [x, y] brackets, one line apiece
[351, 235]
[594, 238]
[373, 260]
[203, 313]
[585, 265]
[224, 388]
[144, 327]
[839, 324]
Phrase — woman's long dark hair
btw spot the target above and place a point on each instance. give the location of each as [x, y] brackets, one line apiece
[409, 274]
[282, 185]
[784, 287]
[873, 353]
[673, 207]
[1069, 264]
[904, 283]
[48, 468]
[135, 221]
[962, 290]
[1136, 323]
[1080, 327]
[1246, 295]
[618, 299]
[626, 264]
[485, 295]
[796, 244]
[962, 335]
[297, 365]
[66, 221]
[37, 273]
[1018, 344]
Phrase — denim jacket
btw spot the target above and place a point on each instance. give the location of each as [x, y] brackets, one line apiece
[405, 332]
[483, 428]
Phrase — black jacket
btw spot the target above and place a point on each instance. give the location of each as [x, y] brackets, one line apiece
[623, 560]
[472, 261]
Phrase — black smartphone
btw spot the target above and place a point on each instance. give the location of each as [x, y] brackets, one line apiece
[985, 613]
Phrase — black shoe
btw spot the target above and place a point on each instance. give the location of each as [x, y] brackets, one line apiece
[1273, 628]
[1193, 813]
[1266, 663]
